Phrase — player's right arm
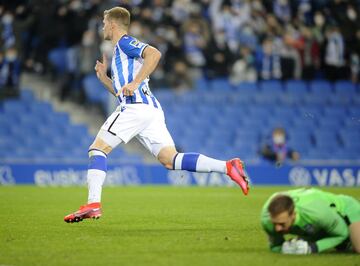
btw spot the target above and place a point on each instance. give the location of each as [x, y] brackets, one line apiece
[101, 74]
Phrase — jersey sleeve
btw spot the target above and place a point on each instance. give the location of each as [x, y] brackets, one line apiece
[132, 47]
[275, 239]
[332, 224]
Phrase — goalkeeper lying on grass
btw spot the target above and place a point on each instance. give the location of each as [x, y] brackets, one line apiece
[318, 220]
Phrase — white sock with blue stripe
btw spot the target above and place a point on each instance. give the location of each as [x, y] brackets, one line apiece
[195, 162]
[96, 174]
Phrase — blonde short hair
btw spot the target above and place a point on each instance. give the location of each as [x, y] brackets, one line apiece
[120, 15]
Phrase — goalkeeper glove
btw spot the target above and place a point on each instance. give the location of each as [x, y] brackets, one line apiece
[298, 247]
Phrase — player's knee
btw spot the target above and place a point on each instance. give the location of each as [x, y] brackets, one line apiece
[100, 145]
[166, 156]
[166, 162]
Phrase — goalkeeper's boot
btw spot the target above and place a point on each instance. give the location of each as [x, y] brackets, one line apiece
[91, 210]
[236, 170]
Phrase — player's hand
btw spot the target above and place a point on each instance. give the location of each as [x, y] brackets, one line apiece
[296, 246]
[128, 89]
[101, 68]
[288, 247]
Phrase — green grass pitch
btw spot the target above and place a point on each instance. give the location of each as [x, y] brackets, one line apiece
[144, 226]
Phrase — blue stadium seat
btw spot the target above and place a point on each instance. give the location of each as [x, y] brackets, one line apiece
[324, 138]
[291, 99]
[12, 107]
[354, 111]
[57, 57]
[283, 122]
[243, 136]
[201, 84]
[249, 88]
[285, 111]
[352, 146]
[349, 136]
[342, 99]
[356, 99]
[41, 108]
[260, 111]
[336, 112]
[271, 87]
[296, 87]
[27, 95]
[267, 99]
[94, 91]
[304, 123]
[241, 99]
[344, 87]
[317, 99]
[316, 154]
[310, 111]
[345, 154]
[330, 123]
[220, 85]
[320, 87]
[165, 96]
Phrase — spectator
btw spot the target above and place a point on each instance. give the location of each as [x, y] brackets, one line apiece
[195, 40]
[290, 56]
[244, 68]
[334, 54]
[179, 79]
[277, 150]
[282, 10]
[244, 39]
[218, 57]
[268, 62]
[310, 54]
[9, 73]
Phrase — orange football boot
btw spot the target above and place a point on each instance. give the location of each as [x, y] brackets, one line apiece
[236, 171]
[91, 210]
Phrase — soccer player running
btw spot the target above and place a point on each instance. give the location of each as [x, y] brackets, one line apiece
[321, 221]
[139, 115]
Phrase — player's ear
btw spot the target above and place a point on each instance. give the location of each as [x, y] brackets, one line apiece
[292, 214]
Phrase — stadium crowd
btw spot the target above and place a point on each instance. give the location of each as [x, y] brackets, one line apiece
[240, 40]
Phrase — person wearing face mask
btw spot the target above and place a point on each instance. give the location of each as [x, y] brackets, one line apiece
[277, 151]
[320, 220]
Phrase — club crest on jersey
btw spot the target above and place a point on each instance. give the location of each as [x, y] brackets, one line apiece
[309, 228]
[136, 43]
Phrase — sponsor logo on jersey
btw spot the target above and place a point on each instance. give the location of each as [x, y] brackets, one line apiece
[136, 43]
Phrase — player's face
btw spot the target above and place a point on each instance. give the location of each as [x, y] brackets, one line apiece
[107, 29]
[283, 221]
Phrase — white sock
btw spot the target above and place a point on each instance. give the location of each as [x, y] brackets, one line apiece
[96, 174]
[196, 162]
[207, 164]
[95, 179]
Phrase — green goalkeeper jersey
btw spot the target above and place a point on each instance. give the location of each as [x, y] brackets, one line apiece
[321, 218]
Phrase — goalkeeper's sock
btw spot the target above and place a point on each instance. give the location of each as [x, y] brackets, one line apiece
[195, 162]
[96, 174]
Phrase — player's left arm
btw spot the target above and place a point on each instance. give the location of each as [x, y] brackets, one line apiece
[335, 227]
[151, 57]
[328, 221]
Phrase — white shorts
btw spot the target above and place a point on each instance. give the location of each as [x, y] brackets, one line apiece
[142, 121]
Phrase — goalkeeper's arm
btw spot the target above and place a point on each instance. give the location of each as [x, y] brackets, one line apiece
[334, 226]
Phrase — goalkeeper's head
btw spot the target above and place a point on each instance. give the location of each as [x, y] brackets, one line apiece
[282, 213]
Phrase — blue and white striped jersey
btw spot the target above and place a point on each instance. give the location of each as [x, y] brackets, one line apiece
[126, 63]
